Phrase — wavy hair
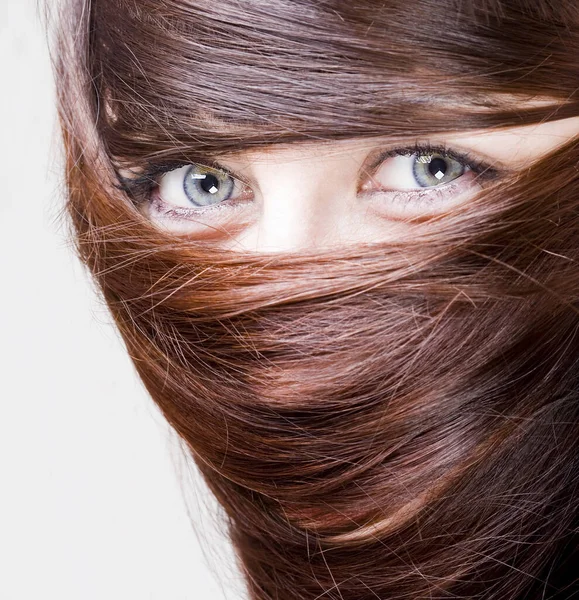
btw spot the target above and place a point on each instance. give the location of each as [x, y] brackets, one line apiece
[395, 420]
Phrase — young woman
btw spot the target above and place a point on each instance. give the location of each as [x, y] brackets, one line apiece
[340, 240]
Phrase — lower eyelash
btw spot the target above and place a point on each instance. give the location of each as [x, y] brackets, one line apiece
[420, 198]
[417, 198]
[163, 209]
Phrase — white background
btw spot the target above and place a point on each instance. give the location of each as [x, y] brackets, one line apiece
[90, 499]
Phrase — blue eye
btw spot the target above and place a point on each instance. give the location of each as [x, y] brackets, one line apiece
[196, 187]
[423, 180]
[204, 186]
[435, 169]
[400, 170]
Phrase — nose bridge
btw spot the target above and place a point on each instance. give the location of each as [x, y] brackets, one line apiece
[300, 204]
[289, 217]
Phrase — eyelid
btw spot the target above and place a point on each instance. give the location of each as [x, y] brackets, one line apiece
[157, 170]
[467, 157]
[216, 166]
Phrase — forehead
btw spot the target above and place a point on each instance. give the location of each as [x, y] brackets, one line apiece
[512, 148]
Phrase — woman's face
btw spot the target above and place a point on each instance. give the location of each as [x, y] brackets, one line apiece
[316, 195]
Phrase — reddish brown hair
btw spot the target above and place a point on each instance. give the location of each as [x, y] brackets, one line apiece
[395, 420]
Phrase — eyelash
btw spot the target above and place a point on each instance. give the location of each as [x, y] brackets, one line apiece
[140, 188]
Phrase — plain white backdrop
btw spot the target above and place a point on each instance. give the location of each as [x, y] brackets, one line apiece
[91, 503]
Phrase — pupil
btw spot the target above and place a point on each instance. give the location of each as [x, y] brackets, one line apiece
[438, 168]
[210, 184]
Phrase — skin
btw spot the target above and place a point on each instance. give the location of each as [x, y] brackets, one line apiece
[311, 196]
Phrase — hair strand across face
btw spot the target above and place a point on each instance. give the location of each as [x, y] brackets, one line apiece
[382, 420]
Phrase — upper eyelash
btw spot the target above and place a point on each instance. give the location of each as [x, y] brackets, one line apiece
[474, 163]
[140, 188]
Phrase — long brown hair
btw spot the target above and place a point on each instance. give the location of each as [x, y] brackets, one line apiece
[391, 420]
